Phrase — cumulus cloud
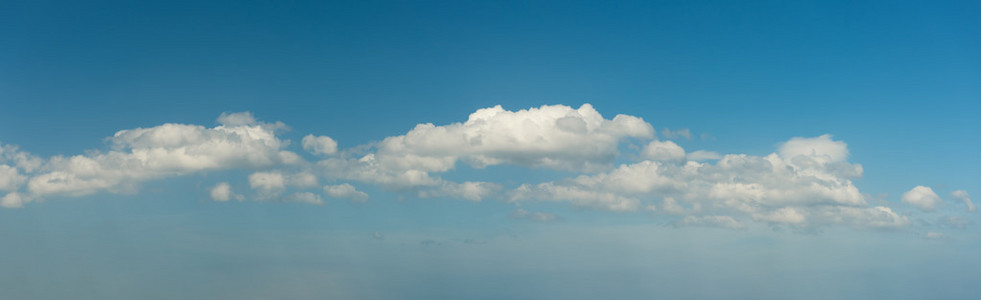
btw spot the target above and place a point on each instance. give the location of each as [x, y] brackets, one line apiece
[268, 183]
[163, 151]
[13, 200]
[966, 198]
[921, 197]
[711, 221]
[470, 190]
[521, 214]
[934, 236]
[10, 178]
[305, 197]
[223, 192]
[345, 191]
[702, 155]
[681, 133]
[807, 184]
[273, 183]
[320, 145]
[551, 136]
[12, 156]
[821, 148]
[663, 151]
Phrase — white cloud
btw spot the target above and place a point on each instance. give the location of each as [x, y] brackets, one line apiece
[163, 151]
[796, 189]
[14, 200]
[663, 151]
[805, 182]
[553, 136]
[521, 214]
[305, 197]
[685, 133]
[223, 192]
[470, 190]
[712, 221]
[921, 197]
[273, 183]
[26, 162]
[268, 183]
[786, 215]
[702, 155]
[302, 180]
[345, 191]
[10, 178]
[964, 196]
[320, 145]
[821, 148]
[236, 119]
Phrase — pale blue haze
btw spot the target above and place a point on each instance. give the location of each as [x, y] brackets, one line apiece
[899, 82]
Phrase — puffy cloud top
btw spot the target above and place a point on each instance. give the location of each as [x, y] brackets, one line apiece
[554, 136]
[792, 190]
[171, 149]
[921, 197]
[821, 148]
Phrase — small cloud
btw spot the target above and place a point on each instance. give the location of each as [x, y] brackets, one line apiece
[954, 222]
[663, 151]
[378, 236]
[712, 221]
[921, 197]
[223, 192]
[685, 133]
[319, 145]
[306, 197]
[345, 191]
[702, 155]
[14, 200]
[963, 196]
[934, 236]
[521, 214]
[236, 119]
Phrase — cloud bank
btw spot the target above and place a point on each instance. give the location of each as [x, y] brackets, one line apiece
[807, 182]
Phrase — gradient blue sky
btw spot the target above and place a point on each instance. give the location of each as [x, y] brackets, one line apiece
[898, 82]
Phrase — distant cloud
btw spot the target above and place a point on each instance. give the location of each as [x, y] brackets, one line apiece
[963, 196]
[13, 200]
[305, 197]
[345, 191]
[320, 145]
[921, 197]
[167, 150]
[806, 182]
[223, 192]
[934, 236]
[702, 155]
[663, 151]
[684, 133]
[521, 214]
[712, 221]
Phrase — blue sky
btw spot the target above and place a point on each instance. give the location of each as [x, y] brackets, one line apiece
[260, 149]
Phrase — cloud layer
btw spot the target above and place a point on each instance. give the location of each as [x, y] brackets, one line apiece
[805, 183]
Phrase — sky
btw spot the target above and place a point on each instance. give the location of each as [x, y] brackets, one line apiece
[489, 150]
